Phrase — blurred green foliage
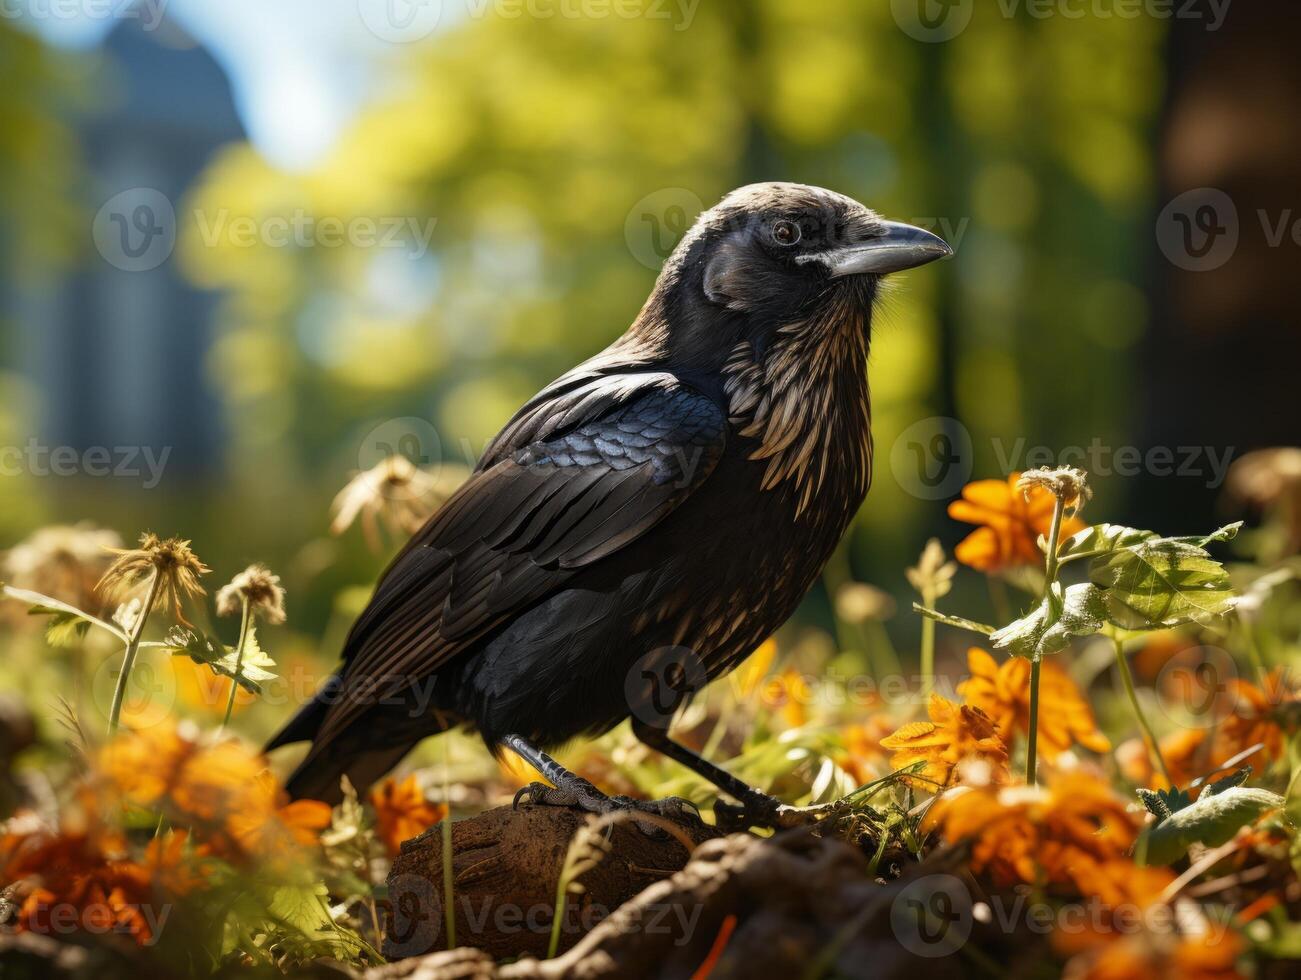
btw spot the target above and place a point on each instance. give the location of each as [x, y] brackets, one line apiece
[532, 142]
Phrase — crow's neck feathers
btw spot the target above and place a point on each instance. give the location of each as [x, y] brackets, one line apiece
[804, 399]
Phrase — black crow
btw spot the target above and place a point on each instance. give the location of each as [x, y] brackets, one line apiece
[645, 521]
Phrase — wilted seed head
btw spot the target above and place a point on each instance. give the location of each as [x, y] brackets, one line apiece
[176, 567]
[1066, 483]
[262, 590]
[858, 602]
[932, 575]
[396, 493]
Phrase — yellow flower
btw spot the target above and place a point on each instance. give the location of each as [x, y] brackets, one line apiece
[1002, 691]
[402, 812]
[170, 562]
[1010, 524]
[956, 735]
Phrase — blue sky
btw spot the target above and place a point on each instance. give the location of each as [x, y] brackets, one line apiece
[300, 68]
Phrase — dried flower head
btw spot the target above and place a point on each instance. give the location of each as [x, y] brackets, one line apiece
[394, 493]
[260, 589]
[169, 562]
[1066, 483]
[64, 561]
[932, 576]
[858, 602]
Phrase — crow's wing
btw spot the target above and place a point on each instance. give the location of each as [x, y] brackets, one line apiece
[580, 472]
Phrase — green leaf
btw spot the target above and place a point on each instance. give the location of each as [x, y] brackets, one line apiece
[1101, 539]
[1212, 821]
[1079, 610]
[220, 658]
[1164, 802]
[1161, 582]
[69, 622]
[947, 620]
[252, 666]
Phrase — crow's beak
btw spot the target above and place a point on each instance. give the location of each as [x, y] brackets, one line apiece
[896, 247]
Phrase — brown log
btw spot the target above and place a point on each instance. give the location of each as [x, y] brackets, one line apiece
[505, 866]
[752, 907]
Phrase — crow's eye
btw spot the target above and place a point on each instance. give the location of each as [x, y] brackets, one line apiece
[785, 232]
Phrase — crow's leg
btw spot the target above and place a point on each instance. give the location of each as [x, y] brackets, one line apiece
[570, 789]
[757, 808]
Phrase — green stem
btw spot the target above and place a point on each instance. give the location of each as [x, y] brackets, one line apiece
[928, 645]
[1050, 576]
[128, 661]
[244, 621]
[1032, 743]
[1153, 747]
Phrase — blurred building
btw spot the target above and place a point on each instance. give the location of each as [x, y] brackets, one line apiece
[116, 344]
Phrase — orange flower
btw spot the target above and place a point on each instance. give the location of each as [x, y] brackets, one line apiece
[788, 695]
[1186, 752]
[862, 748]
[1073, 835]
[402, 812]
[1115, 954]
[1002, 691]
[1010, 524]
[955, 735]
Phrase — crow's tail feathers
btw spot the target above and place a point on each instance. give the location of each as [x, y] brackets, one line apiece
[363, 754]
[319, 777]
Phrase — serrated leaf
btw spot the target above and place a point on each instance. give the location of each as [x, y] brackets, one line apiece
[1161, 582]
[1164, 802]
[209, 650]
[1211, 821]
[64, 629]
[252, 665]
[1101, 539]
[1079, 610]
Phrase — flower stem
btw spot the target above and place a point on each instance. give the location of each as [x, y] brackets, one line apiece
[1032, 743]
[129, 659]
[928, 645]
[1153, 747]
[245, 618]
[1050, 577]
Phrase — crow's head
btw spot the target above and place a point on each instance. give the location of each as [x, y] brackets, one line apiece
[769, 256]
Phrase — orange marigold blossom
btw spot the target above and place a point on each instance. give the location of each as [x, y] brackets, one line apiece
[956, 734]
[1073, 834]
[222, 792]
[1002, 691]
[1245, 715]
[1149, 954]
[402, 812]
[82, 867]
[1009, 524]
